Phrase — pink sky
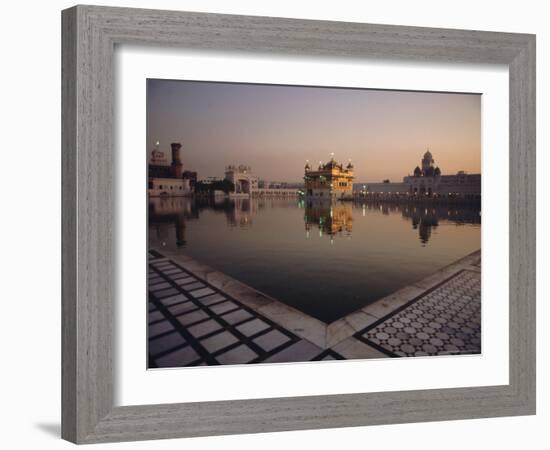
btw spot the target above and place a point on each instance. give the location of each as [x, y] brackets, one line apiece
[275, 129]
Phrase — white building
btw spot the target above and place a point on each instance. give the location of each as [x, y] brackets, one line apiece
[170, 187]
[277, 192]
[461, 184]
[168, 179]
[245, 182]
[428, 181]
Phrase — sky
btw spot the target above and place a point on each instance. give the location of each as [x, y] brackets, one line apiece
[275, 129]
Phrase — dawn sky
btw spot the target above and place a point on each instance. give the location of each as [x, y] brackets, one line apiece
[275, 129]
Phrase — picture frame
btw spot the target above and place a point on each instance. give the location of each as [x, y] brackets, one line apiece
[89, 37]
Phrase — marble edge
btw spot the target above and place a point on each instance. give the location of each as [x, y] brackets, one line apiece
[307, 327]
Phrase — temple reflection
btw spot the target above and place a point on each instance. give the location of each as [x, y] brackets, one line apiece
[329, 218]
[426, 219]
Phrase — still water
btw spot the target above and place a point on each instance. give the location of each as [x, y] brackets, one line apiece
[324, 259]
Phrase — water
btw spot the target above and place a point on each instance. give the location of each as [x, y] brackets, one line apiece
[324, 259]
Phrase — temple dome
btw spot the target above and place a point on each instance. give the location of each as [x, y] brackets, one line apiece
[331, 164]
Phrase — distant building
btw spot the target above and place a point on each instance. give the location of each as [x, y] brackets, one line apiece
[191, 176]
[428, 181]
[277, 192]
[245, 182]
[278, 189]
[330, 180]
[169, 179]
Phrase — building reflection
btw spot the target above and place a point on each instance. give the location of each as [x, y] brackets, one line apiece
[328, 218]
[424, 222]
[427, 219]
[172, 210]
[240, 212]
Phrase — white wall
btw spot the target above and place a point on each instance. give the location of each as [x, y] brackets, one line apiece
[31, 238]
[172, 186]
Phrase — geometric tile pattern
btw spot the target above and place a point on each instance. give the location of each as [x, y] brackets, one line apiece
[191, 322]
[445, 320]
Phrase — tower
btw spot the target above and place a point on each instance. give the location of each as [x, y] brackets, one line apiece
[427, 164]
[177, 166]
[157, 157]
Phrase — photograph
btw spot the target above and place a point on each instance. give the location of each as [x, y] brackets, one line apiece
[260, 225]
[293, 224]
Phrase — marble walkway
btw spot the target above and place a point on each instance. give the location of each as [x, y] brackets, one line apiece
[195, 320]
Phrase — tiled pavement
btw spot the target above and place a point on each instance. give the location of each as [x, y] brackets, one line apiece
[445, 320]
[192, 322]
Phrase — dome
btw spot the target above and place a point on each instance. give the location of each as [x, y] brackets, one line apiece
[428, 155]
[331, 164]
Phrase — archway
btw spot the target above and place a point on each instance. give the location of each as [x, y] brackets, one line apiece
[245, 186]
[242, 186]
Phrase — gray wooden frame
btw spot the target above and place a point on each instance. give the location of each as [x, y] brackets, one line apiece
[89, 37]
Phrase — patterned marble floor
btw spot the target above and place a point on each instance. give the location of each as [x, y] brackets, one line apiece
[446, 320]
[193, 323]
